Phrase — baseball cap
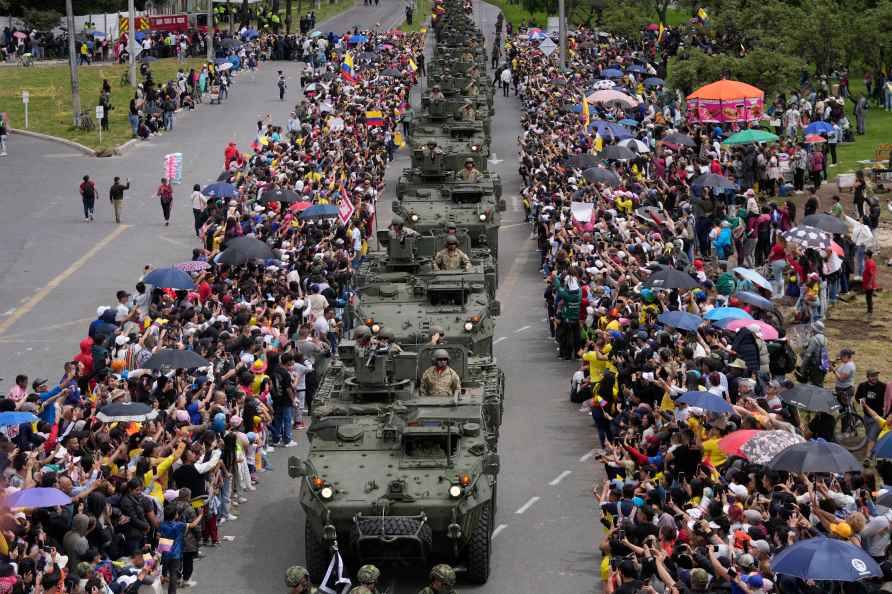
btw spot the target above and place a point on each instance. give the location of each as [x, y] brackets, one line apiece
[872, 371]
[846, 352]
[699, 578]
[762, 546]
[745, 561]
[38, 382]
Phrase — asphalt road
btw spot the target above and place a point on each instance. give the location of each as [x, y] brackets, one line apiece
[56, 270]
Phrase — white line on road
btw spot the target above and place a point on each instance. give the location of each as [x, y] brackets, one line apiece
[560, 477]
[523, 508]
[521, 329]
[498, 529]
[588, 456]
[8, 312]
[498, 340]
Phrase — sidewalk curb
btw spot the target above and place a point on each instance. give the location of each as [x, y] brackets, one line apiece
[75, 145]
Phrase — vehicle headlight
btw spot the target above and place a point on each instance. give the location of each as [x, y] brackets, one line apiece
[482, 217]
[469, 326]
[414, 218]
[475, 147]
[326, 493]
[376, 328]
[455, 491]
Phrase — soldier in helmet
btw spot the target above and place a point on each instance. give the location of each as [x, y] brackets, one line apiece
[437, 95]
[439, 379]
[442, 580]
[450, 257]
[297, 578]
[387, 341]
[367, 576]
[437, 335]
[470, 173]
[431, 150]
[398, 229]
[471, 89]
[468, 112]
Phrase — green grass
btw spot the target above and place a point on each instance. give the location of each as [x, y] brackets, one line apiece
[420, 18]
[326, 10]
[516, 14]
[50, 106]
[677, 16]
[878, 128]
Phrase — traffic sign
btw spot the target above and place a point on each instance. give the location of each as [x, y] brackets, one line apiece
[547, 46]
[100, 112]
[26, 97]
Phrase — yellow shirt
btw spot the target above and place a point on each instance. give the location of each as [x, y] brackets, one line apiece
[713, 452]
[596, 366]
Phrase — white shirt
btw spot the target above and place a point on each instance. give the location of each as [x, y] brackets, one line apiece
[199, 201]
[357, 239]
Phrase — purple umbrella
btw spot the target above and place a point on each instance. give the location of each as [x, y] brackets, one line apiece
[192, 266]
[37, 497]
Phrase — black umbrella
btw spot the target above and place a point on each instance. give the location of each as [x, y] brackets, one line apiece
[126, 412]
[392, 73]
[148, 59]
[679, 138]
[810, 397]
[615, 152]
[809, 237]
[224, 176]
[583, 161]
[671, 278]
[885, 499]
[279, 195]
[231, 43]
[175, 359]
[154, 110]
[826, 222]
[815, 456]
[250, 247]
[601, 175]
[718, 183]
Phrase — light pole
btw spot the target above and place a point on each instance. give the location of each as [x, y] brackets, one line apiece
[131, 42]
[210, 33]
[562, 32]
[72, 66]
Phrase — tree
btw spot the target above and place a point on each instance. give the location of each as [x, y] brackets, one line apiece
[771, 71]
[823, 36]
[623, 19]
[42, 20]
[692, 69]
[660, 8]
[874, 41]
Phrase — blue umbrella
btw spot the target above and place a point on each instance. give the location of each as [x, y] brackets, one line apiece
[250, 34]
[636, 68]
[754, 277]
[536, 36]
[727, 313]
[220, 190]
[607, 129]
[654, 82]
[319, 211]
[169, 278]
[612, 73]
[221, 61]
[37, 497]
[16, 418]
[818, 128]
[825, 560]
[680, 319]
[629, 122]
[358, 39]
[707, 401]
[99, 34]
[755, 300]
[140, 36]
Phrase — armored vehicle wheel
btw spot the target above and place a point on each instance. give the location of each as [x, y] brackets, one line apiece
[479, 547]
[316, 553]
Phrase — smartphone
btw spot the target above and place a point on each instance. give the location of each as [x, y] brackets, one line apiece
[621, 534]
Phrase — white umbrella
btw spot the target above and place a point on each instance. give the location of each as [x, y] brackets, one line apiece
[635, 145]
[604, 85]
[861, 233]
[224, 67]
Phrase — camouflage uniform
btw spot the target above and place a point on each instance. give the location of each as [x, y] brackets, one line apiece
[468, 113]
[429, 590]
[454, 261]
[435, 383]
[363, 590]
[470, 175]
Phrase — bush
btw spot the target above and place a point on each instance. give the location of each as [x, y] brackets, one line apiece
[42, 20]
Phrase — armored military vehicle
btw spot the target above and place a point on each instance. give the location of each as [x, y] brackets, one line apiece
[396, 476]
[438, 161]
[467, 206]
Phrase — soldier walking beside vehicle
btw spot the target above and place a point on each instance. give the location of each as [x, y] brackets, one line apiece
[297, 578]
[442, 580]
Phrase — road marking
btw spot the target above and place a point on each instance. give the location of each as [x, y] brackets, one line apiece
[523, 508]
[498, 530]
[498, 340]
[521, 329]
[8, 312]
[588, 456]
[46, 329]
[174, 241]
[513, 225]
[560, 477]
[42, 294]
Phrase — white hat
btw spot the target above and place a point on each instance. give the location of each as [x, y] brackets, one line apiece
[121, 340]
[101, 310]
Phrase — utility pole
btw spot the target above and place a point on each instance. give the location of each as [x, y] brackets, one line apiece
[210, 33]
[72, 66]
[562, 31]
[131, 42]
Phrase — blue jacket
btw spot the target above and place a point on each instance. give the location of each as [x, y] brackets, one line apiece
[175, 531]
[103, 325]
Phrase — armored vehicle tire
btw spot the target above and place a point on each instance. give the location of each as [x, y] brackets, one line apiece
[316, 553]
[479, 547]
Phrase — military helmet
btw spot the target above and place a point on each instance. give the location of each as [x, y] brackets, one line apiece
[397, 220]
[440, 354]
[361, 332]
[368, 574]
[452, 239]
[444, 573]
[295, 574]
[386, 333]
[469, 160]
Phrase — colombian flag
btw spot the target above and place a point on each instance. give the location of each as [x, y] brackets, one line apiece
[586, 113]
[347, 68]
[661, 33]
[374, 118]
[413, 65]
[702, 14]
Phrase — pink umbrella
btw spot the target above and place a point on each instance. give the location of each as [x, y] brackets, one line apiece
[769, 332]
[837, 249]
[610, 96]
[19, 35]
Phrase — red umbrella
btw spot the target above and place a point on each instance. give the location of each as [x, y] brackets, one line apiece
[814, 139]
[837, 249]
[653, 27]
[299, 206]
[731, 443]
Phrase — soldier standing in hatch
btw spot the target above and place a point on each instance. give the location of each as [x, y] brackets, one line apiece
[442, 580]
[439, 379]
[450, 257]
[468, 111]
[398, 230]
[470, 173]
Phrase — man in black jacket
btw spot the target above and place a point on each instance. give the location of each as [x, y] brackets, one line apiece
[116, 197]
[136, 525]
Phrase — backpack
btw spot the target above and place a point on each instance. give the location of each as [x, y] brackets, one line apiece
[89, 191]
[824, 359]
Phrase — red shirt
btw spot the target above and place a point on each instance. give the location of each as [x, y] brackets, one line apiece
[777, 253]
[869, 278]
